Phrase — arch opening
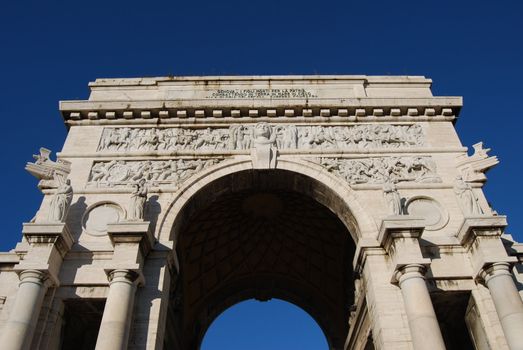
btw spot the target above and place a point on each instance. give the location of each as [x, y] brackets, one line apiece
[261, 235]
[273, 324]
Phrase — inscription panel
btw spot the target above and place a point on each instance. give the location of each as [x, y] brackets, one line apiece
[261, 93]
[240, 137]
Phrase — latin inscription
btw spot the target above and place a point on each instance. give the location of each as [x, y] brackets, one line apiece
[261, 93]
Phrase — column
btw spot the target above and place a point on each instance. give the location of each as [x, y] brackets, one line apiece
[423, 324]
[399, 236]
[48, 244]
[509, 306]
[132, 241]
[491, 264]
[19, 329]
[116, 320]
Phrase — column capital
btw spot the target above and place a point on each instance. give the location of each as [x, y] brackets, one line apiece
[33, 276]
[492, 270]
[122, 275]
[408, 271]
[132, 241]
[399, 236]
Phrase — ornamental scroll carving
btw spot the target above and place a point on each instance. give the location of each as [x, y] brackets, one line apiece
[241, 137]
[122, 173]
[383, 170]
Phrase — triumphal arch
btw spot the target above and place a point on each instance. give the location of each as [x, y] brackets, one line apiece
[350, 196]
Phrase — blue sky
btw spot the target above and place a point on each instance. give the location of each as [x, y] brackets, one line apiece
[274, 325]
[50, 50]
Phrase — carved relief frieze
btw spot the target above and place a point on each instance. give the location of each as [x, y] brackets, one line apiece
[383, 169]
[241, 137]
[122, 173]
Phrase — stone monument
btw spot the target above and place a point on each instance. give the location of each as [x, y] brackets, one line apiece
[192, 194]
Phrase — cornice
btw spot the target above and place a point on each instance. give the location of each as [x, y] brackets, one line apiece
[347, 109]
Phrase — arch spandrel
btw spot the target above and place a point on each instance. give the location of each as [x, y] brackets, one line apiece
[338, 196]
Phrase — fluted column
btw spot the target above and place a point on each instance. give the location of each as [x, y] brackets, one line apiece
[116, 320]
[509, 306]
[423, 324]
[19, 329]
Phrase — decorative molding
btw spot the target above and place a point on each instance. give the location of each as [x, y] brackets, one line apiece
[156, 172]
[383, 169]
[434, 214]
[98, 216]
[433, 108]
[241, 137]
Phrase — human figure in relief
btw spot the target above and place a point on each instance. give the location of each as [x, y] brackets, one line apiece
[137, 202]
[60, 202]
[468, 200]
[393, 198]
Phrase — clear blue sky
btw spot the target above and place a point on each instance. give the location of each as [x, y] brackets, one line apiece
[50, 50]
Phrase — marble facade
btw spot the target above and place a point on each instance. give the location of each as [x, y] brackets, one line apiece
[174, 198]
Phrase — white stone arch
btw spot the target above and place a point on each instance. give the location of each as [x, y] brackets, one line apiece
[342, 199]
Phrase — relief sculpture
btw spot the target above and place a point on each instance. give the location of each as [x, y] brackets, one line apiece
[241, 137]
[118, 173]
[383, 170]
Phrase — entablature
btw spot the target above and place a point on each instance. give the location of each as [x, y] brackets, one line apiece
[287, 110]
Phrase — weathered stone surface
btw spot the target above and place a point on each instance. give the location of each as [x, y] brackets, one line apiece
[337, 193]
[241, 137]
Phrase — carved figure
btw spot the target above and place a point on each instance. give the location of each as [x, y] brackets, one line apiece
[60, 202]
[290, 137]
[264, 153]
[137, 203]
[50, 173]
[390, 192]
[383, 169]
[121, 173]
[473, 168]
[468, 200]
[241, 137]
[262, 134]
